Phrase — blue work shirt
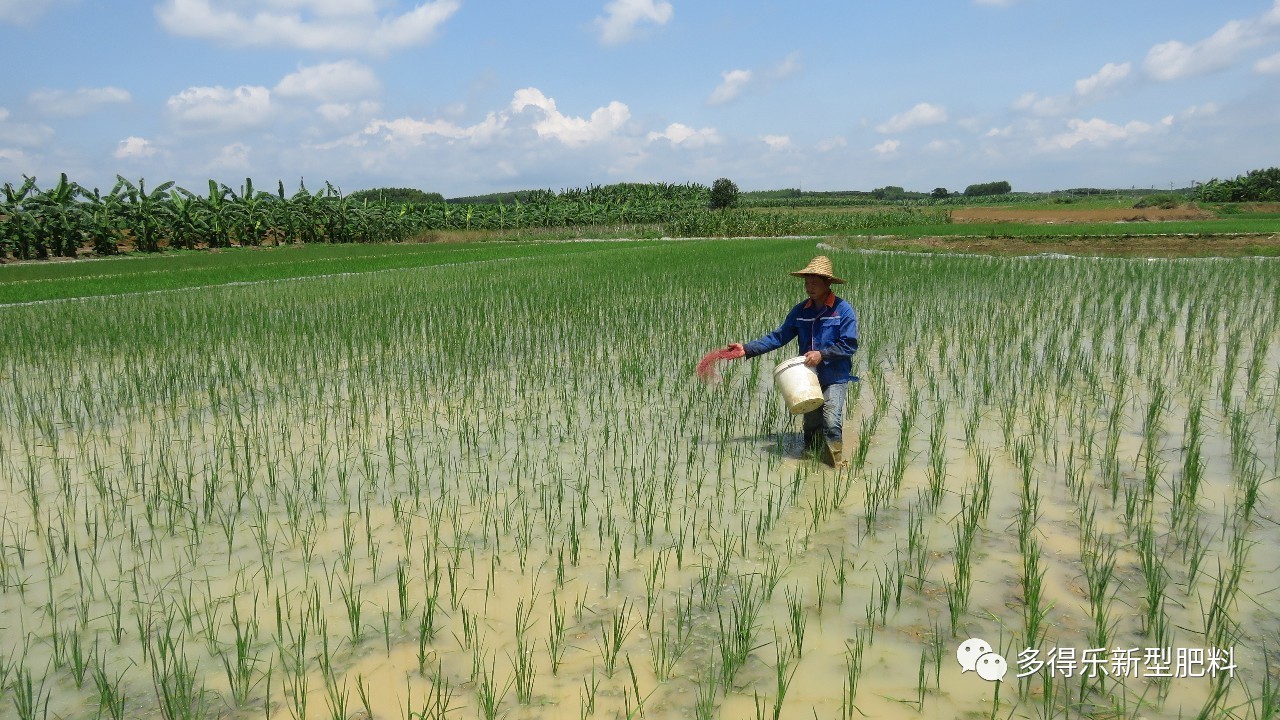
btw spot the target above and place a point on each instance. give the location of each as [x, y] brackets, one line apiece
[831, 328]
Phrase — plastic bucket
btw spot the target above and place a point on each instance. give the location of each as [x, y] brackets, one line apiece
[799, 386]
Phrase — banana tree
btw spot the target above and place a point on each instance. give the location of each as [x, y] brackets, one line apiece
[146, 214]
[17, 229]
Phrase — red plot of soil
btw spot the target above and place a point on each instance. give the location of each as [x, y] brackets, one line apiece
[1075, 215]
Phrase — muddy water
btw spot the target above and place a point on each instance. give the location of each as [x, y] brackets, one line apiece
[303, 502]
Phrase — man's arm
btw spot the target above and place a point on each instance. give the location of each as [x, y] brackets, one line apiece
[785, 333]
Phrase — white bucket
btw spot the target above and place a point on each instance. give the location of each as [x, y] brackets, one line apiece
[799, 386]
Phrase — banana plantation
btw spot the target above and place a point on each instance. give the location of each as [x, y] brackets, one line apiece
[68, 219]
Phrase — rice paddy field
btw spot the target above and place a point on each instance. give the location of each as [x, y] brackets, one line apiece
[492, 486]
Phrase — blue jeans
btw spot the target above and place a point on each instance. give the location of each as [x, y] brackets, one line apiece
[827, 420]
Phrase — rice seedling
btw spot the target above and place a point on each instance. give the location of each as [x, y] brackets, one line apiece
[293, 456]
[613, 634]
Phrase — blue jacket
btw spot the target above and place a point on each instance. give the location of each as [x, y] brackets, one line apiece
[831, 329]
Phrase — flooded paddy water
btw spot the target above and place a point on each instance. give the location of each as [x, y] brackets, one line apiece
[500, 491]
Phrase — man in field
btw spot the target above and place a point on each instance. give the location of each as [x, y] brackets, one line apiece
[827, 330]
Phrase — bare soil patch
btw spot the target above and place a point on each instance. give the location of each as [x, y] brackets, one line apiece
[1075, 215]
[1165, 246]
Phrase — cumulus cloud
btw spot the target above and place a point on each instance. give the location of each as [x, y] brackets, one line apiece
[886, 148]
[776, 142]
[329, 82]
[1102, 81]
[218, 109]
[919, 116]
[338, 112]
[685, 136]
[573, 131]
[537, 111]
[413, 131]
[623, 18]
[1089, 89]
[70, 103]
[1268, 65]
[134, 147]
[325, 25]
[234, 156]
[1094, 132]
[1174, 59]
[734, 82]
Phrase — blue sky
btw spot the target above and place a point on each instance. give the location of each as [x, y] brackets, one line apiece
[473, 96]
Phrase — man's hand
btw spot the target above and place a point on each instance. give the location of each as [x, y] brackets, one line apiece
[736, 350]
[813, 358]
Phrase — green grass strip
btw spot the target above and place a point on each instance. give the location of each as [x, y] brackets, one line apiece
[32, 282]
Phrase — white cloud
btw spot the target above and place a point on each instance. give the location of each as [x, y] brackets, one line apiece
[232, 157]
[412, 131]
[308, 24]
[1174, 59]
[685, 136]
[70, 103]
[1094, 132]
[776, 142]
[573, 131]
[730, 87]
[337, 112]
[329, 82]
[734, 82]
[218, 109]
[623, 18]
[23, 12]
[919, 116]
[941, 147]
[789, 66]
[1268, 65]
[1089, 89]
[134, 147]
[1100, 82]
[886, 148]
[830, 144]
[20, 133]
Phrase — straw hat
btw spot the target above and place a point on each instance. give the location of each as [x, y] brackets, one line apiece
[820, 266]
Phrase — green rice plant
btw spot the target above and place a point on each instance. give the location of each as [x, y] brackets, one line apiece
[784, 671]
[438, 703]
[556, 636]
[30, 701]
[489, 695]
[704, 703]
[525, 671]
[111, 697]
[796, 620]
[587, 698]
[613, 634]
[336, 696]
[852, 675]
[179, 694]
[737, 636]
[362, 690]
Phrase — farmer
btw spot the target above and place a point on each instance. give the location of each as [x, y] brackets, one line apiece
[827, 329]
